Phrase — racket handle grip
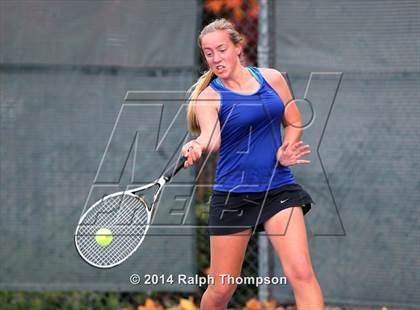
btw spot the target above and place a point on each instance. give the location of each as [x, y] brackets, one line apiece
[174, 170]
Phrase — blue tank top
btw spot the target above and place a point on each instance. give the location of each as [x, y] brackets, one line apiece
[250, 137]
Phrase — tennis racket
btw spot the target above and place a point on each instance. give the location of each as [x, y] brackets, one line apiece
[113, 228]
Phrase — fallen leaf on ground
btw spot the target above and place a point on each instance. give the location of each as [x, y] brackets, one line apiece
[187, 304]
[150, 304]
[252, 304]
[270, 305]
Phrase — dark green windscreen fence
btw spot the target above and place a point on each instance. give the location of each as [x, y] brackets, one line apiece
[65, 70]
[364, 231]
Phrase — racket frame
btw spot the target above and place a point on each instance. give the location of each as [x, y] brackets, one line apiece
[160, 182]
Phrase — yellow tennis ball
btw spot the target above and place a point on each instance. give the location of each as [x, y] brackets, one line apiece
[103, 237]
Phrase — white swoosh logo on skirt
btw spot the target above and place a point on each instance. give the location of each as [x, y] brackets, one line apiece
[283, 201]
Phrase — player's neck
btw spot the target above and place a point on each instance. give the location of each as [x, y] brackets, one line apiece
[239, 79]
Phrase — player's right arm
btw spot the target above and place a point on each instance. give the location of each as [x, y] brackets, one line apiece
[206, 109]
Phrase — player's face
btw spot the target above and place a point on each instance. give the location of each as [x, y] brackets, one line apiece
[221, 54]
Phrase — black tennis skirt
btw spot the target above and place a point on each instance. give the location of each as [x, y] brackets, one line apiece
[232, 212]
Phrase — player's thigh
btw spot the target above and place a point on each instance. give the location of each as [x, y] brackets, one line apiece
[227, 253]
[287, 233]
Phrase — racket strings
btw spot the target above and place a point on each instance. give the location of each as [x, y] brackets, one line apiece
[126, 216]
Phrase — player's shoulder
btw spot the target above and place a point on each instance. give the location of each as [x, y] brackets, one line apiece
[208, 99]
[208, 94]
[276, 79]
[272, 74]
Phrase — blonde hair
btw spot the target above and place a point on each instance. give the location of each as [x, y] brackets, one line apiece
[205, 79]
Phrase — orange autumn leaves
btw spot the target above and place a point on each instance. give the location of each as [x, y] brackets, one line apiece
[254, 304]
[188, 304]
[184, 304]
[237, 7]
[150, 304]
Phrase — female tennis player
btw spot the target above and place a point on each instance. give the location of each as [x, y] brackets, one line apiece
[238, 111]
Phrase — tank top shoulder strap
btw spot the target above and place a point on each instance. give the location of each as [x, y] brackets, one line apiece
[256, 73]
[216, 84]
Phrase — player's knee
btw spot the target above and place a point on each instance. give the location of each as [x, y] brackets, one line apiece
[301, 273]
[221, 293]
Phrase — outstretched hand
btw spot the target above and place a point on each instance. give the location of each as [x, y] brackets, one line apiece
[288, 155]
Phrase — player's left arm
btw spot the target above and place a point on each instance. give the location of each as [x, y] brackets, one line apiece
[292, 121]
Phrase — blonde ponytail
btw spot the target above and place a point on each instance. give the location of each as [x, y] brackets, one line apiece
[196, 89]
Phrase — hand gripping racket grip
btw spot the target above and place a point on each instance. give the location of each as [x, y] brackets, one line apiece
[172, 170]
